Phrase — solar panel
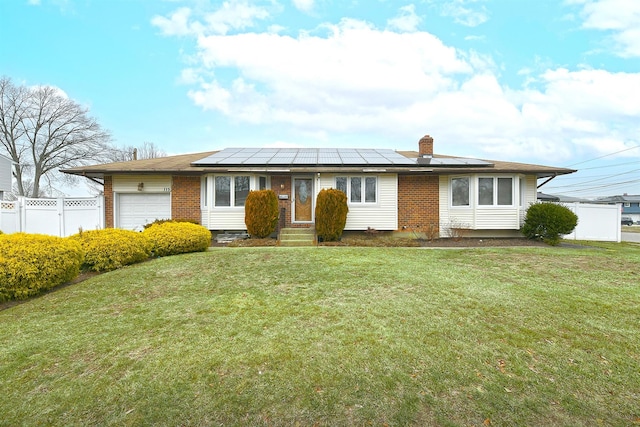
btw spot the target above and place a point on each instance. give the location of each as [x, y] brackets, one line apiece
[328, 157]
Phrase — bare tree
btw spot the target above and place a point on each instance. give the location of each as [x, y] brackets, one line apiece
[148, 150]
[42, 130]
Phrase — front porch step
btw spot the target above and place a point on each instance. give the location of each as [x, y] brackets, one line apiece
[297, 237]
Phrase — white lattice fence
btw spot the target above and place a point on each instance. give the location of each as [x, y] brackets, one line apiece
[9, 217]
[59, 217]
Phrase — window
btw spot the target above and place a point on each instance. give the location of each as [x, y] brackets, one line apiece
[359, 189]
[262, 183]
[495, 191]
[223, 191]
[485, 191]
[205, 193]
[460, 191]
[492, 191]
[231, 191]
[627, 205]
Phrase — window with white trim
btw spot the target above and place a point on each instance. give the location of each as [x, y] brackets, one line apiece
[460, 191]
[495, 191]
[358, 189]
[231, 190]
[491, 191]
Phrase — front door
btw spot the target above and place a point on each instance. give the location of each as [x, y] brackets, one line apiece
[303, 199]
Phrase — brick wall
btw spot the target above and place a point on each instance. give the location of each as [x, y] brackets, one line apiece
[418, 202]
[108, 202]
[185, 198]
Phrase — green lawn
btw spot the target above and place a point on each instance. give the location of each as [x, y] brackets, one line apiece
[334, 336]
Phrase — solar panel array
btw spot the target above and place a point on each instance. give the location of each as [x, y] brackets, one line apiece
[451, 161]
[305, 157]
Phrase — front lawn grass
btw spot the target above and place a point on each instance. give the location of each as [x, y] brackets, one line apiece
[334, 336]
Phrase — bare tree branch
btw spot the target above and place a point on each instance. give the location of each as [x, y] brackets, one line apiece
[42, 131]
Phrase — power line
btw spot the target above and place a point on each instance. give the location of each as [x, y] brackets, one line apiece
[606, 155]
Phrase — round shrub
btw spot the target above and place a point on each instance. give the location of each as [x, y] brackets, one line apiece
[331, 214]
[261, 213]
[172, 238]
[112, 248]
[547, 221]
[31, 263]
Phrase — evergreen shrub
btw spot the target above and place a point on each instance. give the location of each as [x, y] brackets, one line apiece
[547, 221]
[331, 214]
[261, 213]
[32, 263]
[173, 237]
[112, 248]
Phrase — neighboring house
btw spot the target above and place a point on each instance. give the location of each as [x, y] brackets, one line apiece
[5, 175]
[630, 205]
[386, 189]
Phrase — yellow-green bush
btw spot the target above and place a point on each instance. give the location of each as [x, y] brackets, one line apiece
[31, 263]
[261, 213]
[171, 238]
[112, 248]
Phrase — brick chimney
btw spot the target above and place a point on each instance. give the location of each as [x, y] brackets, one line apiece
[425, 146]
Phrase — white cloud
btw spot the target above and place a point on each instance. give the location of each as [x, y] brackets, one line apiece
[407, 19]
[619, 17]
[304, 5]
[463, 13]
[231, 15]
[357, 79]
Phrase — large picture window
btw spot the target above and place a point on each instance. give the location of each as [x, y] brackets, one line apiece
[491, 191]
[359, 189]
[231, 190]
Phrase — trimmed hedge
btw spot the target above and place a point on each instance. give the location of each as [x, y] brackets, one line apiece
[331, 214]
[112, 248]
[547, 221]
[172, 238]
[261, 213]
[32, 263]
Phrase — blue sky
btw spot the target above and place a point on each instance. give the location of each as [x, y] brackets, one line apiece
[535, 81]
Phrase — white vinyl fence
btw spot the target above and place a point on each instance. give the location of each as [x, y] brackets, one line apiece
[596, 222]
[58, 217]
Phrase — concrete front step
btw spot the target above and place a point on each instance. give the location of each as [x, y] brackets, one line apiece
[297, 237]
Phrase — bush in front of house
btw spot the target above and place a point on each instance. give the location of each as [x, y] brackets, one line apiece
[331, 214]
[112, 248]
[162, 221]
[32, 263]
[261, 213]
[547, 221]
[172, 238]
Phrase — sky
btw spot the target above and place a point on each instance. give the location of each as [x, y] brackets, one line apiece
[534, 81]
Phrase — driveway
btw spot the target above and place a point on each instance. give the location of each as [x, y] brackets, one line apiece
[630, 237]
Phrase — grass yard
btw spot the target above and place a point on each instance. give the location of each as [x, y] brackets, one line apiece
[334, 336]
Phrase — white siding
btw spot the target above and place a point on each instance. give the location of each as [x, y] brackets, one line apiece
[224, 218]
[5, 174]
[382, 215]
[477, 217]
[151, 183]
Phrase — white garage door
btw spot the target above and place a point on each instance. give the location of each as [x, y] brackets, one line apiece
[136, 210]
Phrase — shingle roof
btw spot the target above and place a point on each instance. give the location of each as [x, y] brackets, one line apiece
[197, 164]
